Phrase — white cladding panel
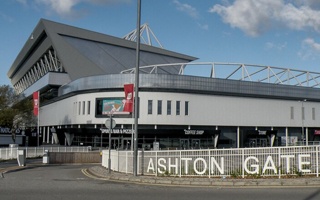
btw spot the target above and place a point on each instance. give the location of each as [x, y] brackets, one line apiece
[211, 110]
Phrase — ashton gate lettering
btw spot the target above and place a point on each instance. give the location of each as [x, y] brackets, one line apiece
[250, 164]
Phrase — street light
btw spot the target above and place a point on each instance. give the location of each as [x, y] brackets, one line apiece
[136, 92]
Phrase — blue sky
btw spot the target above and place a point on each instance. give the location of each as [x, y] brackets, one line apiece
[281, 33]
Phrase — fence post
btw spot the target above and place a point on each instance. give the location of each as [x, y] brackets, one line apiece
[242, 163]
[209, 160]
[279, 161]
[156, 163]
[317, 159]
[126, 161]
[138, 162]
[118, 157]
[180, 164]
[142, 161]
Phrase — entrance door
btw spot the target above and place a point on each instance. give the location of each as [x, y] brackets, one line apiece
[115, 143]
[126, 143]
[195, 143]
[184, 144]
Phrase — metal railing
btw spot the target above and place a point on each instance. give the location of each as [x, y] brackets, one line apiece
[245, 162]
[241, 71]
[32, 152]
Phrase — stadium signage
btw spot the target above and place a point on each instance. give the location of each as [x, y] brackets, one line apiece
[193, 132]
[250, 165]
[5, 130]
[117, 131]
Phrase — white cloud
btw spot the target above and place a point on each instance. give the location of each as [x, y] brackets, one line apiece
[186, 8]
[66, 8]
[6, 17]
[24, 2]
[255, 17]
[61, 7]
[311, 3]
[272, 45]
[312, 44]
[310, 49]
[203, 26]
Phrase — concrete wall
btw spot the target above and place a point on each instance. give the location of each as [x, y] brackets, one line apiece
[74, 157]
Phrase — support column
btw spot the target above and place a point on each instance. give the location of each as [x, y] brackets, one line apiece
[43, 134]
[48, 134]
[238, 137]
[287, 134]
[52, 140]
[307, 136]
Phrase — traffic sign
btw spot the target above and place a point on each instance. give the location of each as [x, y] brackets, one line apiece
[110, 123]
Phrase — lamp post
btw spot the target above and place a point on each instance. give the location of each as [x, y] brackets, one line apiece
[136, 95]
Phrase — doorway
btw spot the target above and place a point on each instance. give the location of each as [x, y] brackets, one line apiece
[184, 144]
[195, 143]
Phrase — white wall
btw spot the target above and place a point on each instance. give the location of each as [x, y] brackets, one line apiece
[203, 110]
[229, 111]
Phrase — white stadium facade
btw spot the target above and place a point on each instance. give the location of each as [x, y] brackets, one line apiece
[78, 72]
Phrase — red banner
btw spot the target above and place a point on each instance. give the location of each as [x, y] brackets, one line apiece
[36, 103]
[128, 102]
[317, 132]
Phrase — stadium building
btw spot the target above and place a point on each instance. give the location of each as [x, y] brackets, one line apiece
[81, 76]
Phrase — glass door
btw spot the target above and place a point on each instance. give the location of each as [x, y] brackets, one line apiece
[184, 144]
[126, 143]
[195, 143]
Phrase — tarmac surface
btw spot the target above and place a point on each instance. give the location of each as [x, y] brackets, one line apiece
[96, 171]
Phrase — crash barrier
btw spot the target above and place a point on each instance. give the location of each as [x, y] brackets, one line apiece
[32, 152]
[242, 162]
[74, 157]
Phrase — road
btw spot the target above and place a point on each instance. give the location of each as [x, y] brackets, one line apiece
[68, 182]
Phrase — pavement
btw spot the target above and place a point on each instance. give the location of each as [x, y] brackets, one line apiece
[96, 171]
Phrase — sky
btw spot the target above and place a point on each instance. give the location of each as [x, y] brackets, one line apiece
[280, 33]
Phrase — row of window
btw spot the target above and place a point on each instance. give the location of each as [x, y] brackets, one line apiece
[313, 113]
[82, 107]
[169, 107]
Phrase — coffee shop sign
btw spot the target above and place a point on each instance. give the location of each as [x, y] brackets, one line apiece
[193, 132]
[250, 164]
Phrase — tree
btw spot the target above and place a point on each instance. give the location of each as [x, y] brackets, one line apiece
[15, 109]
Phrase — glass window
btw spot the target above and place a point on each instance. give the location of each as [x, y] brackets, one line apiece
[149, 107]
[83, 107]
[79, 111]
[302, 112]
[159, 107]
[291, 112]
[168, 107]
[186, 108]
[75, 107]
[88, 107]
[177, 107]
[313, 114]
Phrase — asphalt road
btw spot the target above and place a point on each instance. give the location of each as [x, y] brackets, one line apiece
[68, 182]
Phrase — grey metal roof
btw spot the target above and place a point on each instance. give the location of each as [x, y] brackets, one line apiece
[86, 53]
